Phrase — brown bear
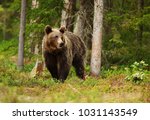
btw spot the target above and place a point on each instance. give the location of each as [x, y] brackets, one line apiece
[61, 50]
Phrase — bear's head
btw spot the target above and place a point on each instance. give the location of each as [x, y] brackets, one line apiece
[54, 39]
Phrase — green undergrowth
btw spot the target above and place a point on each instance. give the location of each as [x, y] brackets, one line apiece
[18, 86]
[111, 86]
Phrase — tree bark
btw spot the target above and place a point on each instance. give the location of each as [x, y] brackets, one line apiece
[140, 30]
[108, 4]
[84, 25]
[22, 35]
[4, 28]
[97, 38]
[84, 22]
[80, 22]
[34, 36]
[67, 17]
[140, 12]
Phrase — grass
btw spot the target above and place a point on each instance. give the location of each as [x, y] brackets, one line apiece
[111, 87]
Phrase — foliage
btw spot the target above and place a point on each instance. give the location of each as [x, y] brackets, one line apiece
[9, 47]
[48, 14]
[121, 26]
[137, 72]
[121, 29]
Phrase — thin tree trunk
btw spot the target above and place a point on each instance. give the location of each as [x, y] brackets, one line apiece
[84, 25]
[22, 35]
[67, 14]
[84, 22]
[80, 22]
[33, 35]
[97, 38]
[140, 12]
[140, 29]
[4, 27]
[79, 27]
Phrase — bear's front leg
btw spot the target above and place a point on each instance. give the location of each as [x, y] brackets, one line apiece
[63, 70]
[51, 64]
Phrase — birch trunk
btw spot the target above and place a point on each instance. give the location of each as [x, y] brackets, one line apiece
[84, 23]
[140, 31]
[80, 22]
[22, 35]
[67, 17]
[97, 38]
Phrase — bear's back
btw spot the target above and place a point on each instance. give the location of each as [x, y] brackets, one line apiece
[77, 43]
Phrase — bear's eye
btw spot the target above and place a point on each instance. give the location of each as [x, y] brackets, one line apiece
[56, 36]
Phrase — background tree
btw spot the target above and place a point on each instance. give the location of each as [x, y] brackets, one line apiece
[5, 21]
[140, 27]
[67, 18]
[22, 35]
[84, 22]
[34, 45]
[123, 23]
[80, 21]
[97, 38]
[49, 12]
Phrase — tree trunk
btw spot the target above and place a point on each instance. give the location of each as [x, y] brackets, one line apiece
[140, 12]
[84, 22]
[108, 4]
[22, 35]
[4, 26]
[80, 21]
[84, 25]
[140, 29]
[34, 35]
[97, 38]
[67, 17]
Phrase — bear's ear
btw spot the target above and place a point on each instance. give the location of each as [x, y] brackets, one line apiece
[48, 29]
[62, 29]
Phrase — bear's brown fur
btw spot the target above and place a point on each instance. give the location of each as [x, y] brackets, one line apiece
[61, 50]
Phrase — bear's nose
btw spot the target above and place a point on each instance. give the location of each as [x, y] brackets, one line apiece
[61, 44]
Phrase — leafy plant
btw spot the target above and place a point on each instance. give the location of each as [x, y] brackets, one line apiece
[136, 72]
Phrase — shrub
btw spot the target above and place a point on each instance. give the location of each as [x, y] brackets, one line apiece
[137, 72]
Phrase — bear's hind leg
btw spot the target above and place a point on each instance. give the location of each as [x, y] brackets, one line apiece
[79, 67]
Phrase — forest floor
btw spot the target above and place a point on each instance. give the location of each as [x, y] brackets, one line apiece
[16, 86]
